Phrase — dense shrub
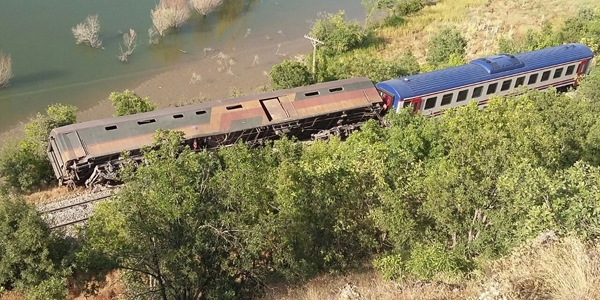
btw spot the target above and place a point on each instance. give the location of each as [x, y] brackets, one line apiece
[359, 64]
[443, 45]
[289, 74]
[31, 259]
[407, 7]
[338, 34]
[129, 103]
[24, 163]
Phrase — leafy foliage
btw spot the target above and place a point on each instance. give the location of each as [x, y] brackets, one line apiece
[24, 163]
[444, 44]
[129, 103]
[31, 259]
[338, 34]
[289, 74]
[166, 225]
[363, 64]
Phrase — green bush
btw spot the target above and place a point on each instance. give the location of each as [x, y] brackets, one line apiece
[24, 163]
[31, 259]
[338, 34]
[407, 7]
[428, 261]
[129, 103]
[365, 64]
[289, 74]
[443, 45]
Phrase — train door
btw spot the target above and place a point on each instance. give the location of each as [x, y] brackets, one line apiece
[582, 70]
[416, 105]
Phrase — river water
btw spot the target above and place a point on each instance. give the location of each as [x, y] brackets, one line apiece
[49, 67]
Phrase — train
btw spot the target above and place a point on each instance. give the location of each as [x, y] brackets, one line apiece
[90, 153]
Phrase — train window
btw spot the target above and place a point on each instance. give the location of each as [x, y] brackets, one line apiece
[545, 76]
[406, 103]
[557, 73]
[532, 79]
[492, 88]
[506, 85]
[447, 99]
[520, 81]
[146, 122]
[477, 92]
[337, 89]
[113, 127]
[179, 116]
[234, 107]
[570, 70]
[200, 112]
[462, 95]
[311, 94]
[430, 102]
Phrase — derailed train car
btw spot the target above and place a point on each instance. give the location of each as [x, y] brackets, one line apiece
[89, 152]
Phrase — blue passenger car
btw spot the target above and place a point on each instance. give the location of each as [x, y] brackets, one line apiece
[434, 91]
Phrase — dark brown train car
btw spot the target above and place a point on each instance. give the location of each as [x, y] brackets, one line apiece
[90, 150]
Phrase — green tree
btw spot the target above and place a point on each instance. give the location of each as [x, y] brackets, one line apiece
[30, 257]
[24, 163]
[338, 34]
[166, 227]
[444, 44]
[289, 74]
[129, 103]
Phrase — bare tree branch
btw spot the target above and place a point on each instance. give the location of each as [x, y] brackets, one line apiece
[169, 14]
[129, 41]
[204, 7]
[5, 70]
[87, 32]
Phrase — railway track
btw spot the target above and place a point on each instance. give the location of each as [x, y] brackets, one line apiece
[72, 211]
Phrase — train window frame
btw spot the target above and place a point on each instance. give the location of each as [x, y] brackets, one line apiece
[428, 100]
[519, 81]
[447, 99]
[492, 87]
[462, 95]
[506, 85]
[558, 73]
[546, 76]
[532, 79]
[570, 70]
[477, 92]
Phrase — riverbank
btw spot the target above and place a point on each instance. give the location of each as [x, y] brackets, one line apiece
[212, 76]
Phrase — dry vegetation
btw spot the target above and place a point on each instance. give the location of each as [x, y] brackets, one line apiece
[53, 195]
[169, 14]
[204, 7]
[544, 268]
[130, 44]
[5, 69]
[87, 32]
[482, 22]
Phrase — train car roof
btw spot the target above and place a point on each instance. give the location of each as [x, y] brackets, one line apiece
[321, 87]
[483, 69]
